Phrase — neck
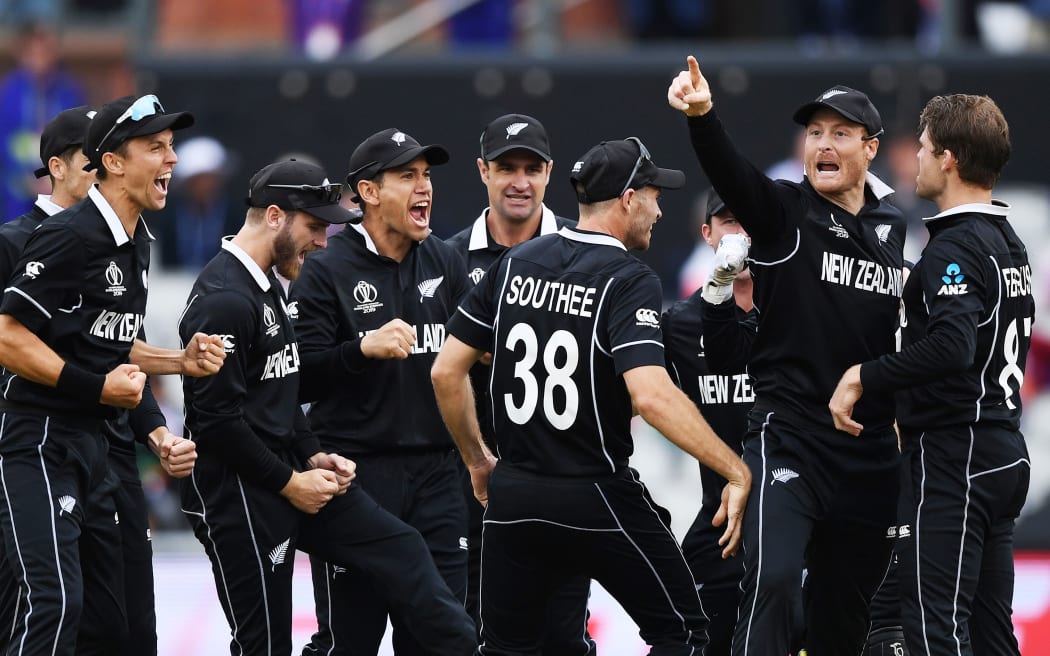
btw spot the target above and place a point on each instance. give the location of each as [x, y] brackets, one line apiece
[509, 233]
[960, 193]
[851, 200]
[62, 198]
[389, 243]
[603, 223]
[127, 210]
[743, 287]
[256, 241]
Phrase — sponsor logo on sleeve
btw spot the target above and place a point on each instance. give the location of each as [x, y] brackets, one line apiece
[34, 269]
[647, 317]
[953, 281]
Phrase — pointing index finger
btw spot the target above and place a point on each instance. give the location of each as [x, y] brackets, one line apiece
[694, 69]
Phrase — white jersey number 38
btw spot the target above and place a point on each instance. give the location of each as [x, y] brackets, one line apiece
[561, 355]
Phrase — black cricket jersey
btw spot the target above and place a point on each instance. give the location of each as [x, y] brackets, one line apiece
[968, 325]
[827, 283]
[14, 235]
[345, 292]
[707, 348]
[564, 316]
[80, 285]
[249, 410]
[480, 250]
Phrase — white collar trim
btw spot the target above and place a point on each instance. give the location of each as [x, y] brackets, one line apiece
[995, 208]
[591, 238]
[878, 187]
[369, 244]
[120, 236]
[253, 268]
[479, 234]
[45, 203]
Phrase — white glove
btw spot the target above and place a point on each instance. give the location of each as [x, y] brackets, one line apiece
[730, 260]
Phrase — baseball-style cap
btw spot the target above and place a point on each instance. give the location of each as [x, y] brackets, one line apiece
[295, 185]
[385, 150]
[612, 167]
[61, 133]
[513, 131]
[126, 118]
[850, 103]
[715, 205]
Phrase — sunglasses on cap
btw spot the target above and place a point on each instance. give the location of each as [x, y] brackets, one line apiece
[329, 193]
[147, 105]
[643, 154]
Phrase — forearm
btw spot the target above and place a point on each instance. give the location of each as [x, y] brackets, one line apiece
[27, 355]
[156, 361]
[147, 418]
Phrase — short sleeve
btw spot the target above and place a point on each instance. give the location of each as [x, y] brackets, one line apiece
[45, 278]
[633, 325]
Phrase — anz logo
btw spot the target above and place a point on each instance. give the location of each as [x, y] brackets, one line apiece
[953, 281]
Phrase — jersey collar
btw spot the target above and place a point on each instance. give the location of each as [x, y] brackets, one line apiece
[113, 221]
[995, 208]
[878, 187]
[49, 207]
[479, 234]
[369, 244]
[233, 249]
[591, 238]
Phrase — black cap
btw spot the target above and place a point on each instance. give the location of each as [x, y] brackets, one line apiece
[63, 132]
[385, 150]
[106, 135]
[295, 185]
[715, 205]
[513, 131]
[605, 170]
[850, 103]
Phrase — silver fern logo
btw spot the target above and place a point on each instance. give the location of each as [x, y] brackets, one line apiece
[428, 287]
[783, 475]
[398, 138]
[337, 570]
[514, 128]
[278, 554]
[882, 231]
[66, 503]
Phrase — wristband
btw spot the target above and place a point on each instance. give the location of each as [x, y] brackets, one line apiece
[80, 384]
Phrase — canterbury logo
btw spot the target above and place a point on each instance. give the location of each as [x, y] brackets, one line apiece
[66, 503]
[783, 475]
[278, 554]
[428, 287]
[514, 128]
[34, 269]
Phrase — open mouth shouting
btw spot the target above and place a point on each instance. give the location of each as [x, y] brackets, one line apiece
[420, 213]
[161, 183]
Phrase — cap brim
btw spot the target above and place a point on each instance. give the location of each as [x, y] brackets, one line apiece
[159, 123]
[805, 112]
[333, 213]
[435, 155]
[41, 172]
[506, 149]
[717, 208]
[668, 179]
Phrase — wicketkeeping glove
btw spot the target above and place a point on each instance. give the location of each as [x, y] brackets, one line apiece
[730, 260]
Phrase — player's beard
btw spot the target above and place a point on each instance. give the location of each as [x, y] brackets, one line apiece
[285, 254]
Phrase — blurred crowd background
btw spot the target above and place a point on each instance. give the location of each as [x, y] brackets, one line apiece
[312, 78]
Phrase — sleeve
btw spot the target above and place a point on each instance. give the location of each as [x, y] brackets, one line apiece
[950, 344]
[45, 278]
[667, 322]
[474, 319]
[146, 417]
[306, 443]
[323, 357]
[458, 275]
[764, 207]
[633, 322]
[9, 256]
[727, 337]
[218, 401]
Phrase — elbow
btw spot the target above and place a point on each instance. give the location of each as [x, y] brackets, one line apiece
[442, 376]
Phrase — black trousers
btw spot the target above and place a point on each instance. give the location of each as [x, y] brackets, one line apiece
[60, 535]
[565, 625]
[717, 579]
[137, 547]
[541, 532]
[963, 489]
[821, 500]
[250, 536]
[423, 490]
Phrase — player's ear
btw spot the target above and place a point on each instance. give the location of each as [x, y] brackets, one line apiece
[368, 190]
[113, 163]
[550, 167]
[274, 216]
[483, 170]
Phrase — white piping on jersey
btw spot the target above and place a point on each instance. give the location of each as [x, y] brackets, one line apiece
[594, 383]
[329, 575]
[962, 549]
[251, 265]
[656, 574]
[185, 310]
[602, 348]
[995, 208]
[30, 299]
[80, 301]
[761, 536]
[479, 232]
[369, 244]
[589, 238]
[995, 336]
[18, 550]
[495, 350]
[203, 514]
[537, 520]
[640, 341]
[999, 469]
[262, 569]
[472, 318]
[798, 242]
[918, 540]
